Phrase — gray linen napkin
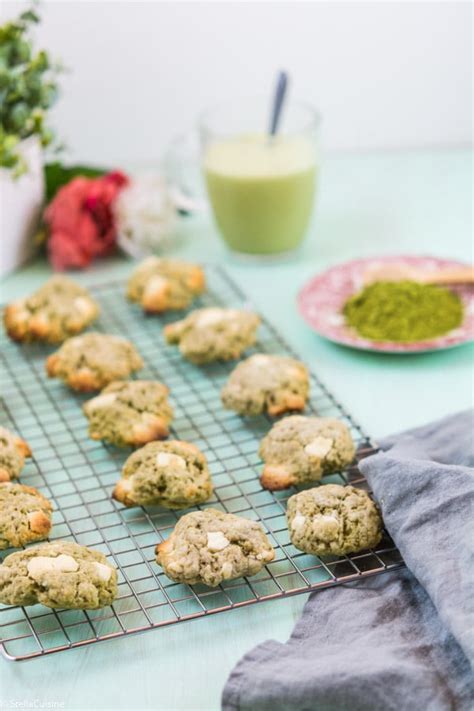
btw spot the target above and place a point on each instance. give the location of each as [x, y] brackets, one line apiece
[401, 641]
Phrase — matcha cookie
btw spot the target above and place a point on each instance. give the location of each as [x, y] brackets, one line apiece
[172, 474]
[333, 519]
[212, 334]
[59, 574]
[165, 284]
[13, 451]
[270, 383]
[210, 546]
[130, 413]
[25, 515]
[59, 309]
[301, 449]
[91, 361]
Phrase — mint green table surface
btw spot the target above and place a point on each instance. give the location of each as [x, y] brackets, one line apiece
[406, 202]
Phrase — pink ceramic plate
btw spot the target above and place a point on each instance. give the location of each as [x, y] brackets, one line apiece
[321, 300]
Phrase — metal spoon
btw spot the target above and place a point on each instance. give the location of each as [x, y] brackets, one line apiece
[278, 99]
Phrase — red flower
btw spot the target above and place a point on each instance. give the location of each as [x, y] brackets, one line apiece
[80, 220]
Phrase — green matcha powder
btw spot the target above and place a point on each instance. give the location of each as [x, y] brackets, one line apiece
[403, 311]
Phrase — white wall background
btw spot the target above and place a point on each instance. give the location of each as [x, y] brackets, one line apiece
[384, 74]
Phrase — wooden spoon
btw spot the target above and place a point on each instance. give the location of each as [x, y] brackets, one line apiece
[398, 272]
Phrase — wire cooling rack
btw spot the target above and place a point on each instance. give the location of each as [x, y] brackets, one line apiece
[78, 475]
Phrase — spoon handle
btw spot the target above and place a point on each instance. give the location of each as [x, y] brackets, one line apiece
[458, 275]
[278, 100]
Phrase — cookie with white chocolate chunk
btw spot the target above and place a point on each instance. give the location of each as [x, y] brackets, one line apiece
[25, 515]
[93, 360]
[59, 574]
[173, 474]
[130, 413]
[165, 284]
[57, 310]
[210, 334]
[271, 383]
[210, 547]
[299, 449]
[333, 519]
[13, 452]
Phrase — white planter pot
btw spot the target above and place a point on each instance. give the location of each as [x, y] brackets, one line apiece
[21, 200]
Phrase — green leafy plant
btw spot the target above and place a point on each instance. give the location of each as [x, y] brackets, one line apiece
[28, 89]
[56, 175]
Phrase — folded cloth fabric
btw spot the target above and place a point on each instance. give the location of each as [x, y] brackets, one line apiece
[401, 641]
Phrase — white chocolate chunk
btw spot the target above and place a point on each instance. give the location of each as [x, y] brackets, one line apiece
[103, 571]
[126, 485]
[40, 319]
[327, 518]
[268, 556]
[156, 284]
[33, 519]
[208, 317]
[166, 459]
[227, 570]
[97, 403]
[216, 541]
[298, 523]
[326, 526]
[319, 447]
[22, 315]
[261, 360]
[42, 564]
[84, 306]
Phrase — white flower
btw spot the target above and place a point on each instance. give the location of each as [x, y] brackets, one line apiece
[145, 214]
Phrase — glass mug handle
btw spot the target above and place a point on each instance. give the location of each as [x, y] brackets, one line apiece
[182, 171]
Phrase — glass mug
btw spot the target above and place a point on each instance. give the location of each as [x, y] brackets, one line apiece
[261, 188]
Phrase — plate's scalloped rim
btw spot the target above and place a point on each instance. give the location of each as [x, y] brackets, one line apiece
[321, 298]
